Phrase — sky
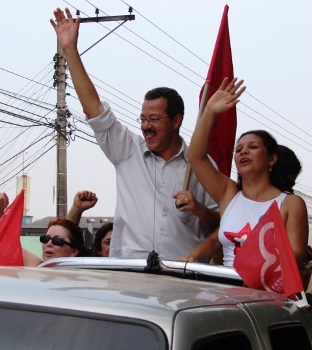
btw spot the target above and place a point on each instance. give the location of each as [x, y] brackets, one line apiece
[170, 43]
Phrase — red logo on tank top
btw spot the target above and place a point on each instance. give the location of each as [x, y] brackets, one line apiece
[238, 238]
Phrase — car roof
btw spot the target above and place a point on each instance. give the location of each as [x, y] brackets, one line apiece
[124, 290]
[194, 276]
[131, 294]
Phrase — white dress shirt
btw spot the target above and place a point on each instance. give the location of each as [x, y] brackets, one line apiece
[146, 217]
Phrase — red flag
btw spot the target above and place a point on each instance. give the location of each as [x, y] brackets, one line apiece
[266, 260]
[223, 135]
[10, 232]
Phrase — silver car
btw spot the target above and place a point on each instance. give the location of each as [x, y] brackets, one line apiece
[104, 303]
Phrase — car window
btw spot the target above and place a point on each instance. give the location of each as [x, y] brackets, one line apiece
[289, 337]
[228, 341]
[23, 329]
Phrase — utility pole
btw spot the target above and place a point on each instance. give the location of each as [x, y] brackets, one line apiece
[61, 138]
[62, 112]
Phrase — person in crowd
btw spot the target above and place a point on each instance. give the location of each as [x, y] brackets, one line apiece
[4, 202]
[102, 239]
[83, 200]
[290, 167]
[62, 238]
[150, 169]
[260, 182]
[289, 163]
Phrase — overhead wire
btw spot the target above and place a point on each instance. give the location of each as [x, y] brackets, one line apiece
[277, 132]
[26, 166]
[271, 121]
[154, 46]
[196, 73]
[199, 58]
[132, 99]
[132, 44]
[31, 102]
[15, 97]
[26, 99]
[23, 117]
[169, 36]
[21, 76]
[285, 119]
[10, 162]
[25, 149]
[244, 104]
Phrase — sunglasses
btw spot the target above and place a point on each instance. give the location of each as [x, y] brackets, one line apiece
[59, 241]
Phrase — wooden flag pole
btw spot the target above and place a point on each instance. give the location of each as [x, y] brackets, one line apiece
[202, 105]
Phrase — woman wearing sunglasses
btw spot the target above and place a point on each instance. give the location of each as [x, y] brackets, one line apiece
[62, 238]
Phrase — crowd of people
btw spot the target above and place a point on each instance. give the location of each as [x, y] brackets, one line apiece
[64, 238]
[152, 210]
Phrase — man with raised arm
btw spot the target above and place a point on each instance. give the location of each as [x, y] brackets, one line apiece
[150, 169]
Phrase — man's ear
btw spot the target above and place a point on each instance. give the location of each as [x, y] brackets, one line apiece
[177, 121]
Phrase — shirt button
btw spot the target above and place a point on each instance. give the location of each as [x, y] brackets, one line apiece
[162, 232]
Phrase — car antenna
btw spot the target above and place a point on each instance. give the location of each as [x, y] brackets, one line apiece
[152, 262]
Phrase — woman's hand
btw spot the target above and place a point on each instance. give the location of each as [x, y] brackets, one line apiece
[226, 97]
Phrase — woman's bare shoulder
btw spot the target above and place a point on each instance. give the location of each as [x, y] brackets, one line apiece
[294, 203]
[292, 198]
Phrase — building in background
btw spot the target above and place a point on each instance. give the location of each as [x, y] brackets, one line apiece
[23, 183]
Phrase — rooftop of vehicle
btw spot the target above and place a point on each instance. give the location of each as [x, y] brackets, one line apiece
[112, 289]
[122, 289]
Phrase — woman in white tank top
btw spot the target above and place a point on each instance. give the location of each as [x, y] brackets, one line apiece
[260, 182]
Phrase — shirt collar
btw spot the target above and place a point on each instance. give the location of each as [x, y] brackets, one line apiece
[182, 152]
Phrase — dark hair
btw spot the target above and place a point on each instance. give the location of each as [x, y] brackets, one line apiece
[75, 233]
[289, 162]
[175, 104]
[277, 175]
[99, 235]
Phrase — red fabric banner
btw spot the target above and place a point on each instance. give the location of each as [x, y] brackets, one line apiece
[266, 260]
[10, 232]
[221, 66]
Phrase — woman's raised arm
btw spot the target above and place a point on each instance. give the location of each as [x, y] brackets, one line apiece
[225, 98]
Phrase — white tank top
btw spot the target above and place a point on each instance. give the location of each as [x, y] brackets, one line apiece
[240, 212]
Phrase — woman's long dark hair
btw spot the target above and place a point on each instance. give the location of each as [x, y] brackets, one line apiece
[277, 175]
[289, 163]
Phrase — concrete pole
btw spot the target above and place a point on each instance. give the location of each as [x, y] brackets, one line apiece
[61, 123]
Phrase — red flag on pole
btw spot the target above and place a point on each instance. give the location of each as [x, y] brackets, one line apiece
[10, 232]
[266, 260]
[222, 138]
